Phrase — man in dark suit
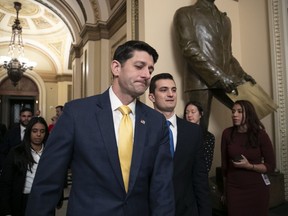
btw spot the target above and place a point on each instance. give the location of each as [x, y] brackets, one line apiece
[204, 36]
[86, 136]
[190, 176]
[15, 135]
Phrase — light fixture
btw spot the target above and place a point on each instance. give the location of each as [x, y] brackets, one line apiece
[16, 64]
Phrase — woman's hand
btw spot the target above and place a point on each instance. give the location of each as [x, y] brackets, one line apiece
[243, 163]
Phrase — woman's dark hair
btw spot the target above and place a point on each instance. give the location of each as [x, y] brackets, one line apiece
[251, 120]
[26, 155]
[200, 109]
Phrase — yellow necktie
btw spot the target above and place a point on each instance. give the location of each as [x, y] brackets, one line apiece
[125, 144]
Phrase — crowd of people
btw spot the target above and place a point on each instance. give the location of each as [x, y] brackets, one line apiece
[160, 166]
[21, 147]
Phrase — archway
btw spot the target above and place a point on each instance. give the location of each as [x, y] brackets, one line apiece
[13, 98]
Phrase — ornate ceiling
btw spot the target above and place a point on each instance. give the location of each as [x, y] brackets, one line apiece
[50, 27]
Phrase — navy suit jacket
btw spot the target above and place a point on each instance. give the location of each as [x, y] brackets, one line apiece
[192, 196]
[11, 139]
[84, 136]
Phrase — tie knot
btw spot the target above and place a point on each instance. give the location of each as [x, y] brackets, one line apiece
[125, 110]
[168, 123]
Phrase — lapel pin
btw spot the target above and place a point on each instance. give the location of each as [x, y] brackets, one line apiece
[142, 121]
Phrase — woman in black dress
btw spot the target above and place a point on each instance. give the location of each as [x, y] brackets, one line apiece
[193, 112]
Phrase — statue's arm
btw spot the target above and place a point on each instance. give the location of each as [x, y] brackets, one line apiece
[213, 75]
[236, 67]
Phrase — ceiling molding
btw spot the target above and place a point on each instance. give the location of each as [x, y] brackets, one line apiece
[100, 31]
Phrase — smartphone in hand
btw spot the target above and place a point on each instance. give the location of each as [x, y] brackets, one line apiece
[237, 158]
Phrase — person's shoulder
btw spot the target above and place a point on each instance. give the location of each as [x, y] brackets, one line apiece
[17, 150]
[227, 130]
[14, 128]
[84, 102]
[188, 124]
[263, 132]
[182, 121]
[185, 10]
[210, 135]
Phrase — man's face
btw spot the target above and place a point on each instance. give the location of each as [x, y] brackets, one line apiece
[133, 77]
[165, 96]
[238, 115]
[58, 111]
[192, 114]
[25, 118]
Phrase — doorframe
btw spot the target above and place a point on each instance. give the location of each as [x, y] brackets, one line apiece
[41, 98]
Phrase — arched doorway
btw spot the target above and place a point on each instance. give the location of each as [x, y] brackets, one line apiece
[13, 98]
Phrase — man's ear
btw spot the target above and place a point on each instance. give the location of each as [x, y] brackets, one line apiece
[151, 97]
[115, 68]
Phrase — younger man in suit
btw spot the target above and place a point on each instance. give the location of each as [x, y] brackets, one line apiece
[190, 176]
[86, 136]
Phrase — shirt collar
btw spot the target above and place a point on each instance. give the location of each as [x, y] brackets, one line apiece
[22, 128]
[116, 103]
[172, 119]
[39, 152]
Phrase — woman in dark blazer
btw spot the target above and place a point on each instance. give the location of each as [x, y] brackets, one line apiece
[19, 168]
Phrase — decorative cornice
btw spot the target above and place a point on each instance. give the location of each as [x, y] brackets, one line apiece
[94, 32]
[135, 20]
[64, 78]
[79, 2]
[94, 5]
[118, 19]
[100, 30]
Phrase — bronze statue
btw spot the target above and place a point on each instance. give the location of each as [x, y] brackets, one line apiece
[204, 36]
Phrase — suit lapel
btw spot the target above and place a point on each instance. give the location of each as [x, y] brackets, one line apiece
[105, 118]
[139, 142]
[180, 141]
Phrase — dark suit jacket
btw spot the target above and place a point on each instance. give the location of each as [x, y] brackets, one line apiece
[12, 182]
[11, 139]
[84, 135]
[192, 196]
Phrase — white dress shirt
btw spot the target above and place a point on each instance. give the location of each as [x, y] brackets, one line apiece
[30, 175]
[173, 128]
[22, 129]
[117, 115]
